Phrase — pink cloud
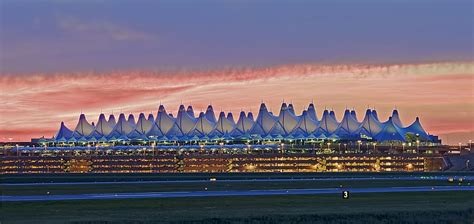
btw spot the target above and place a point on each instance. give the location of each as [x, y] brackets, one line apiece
[440, 93]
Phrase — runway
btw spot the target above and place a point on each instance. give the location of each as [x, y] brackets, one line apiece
[417, 178]
[233, 193]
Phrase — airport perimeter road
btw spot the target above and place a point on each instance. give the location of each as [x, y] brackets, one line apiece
[233, 193]
[467, 178]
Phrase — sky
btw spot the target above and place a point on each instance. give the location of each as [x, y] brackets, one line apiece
[61, 58]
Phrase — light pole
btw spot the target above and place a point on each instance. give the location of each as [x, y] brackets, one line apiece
[417, 145]
[460, 146]
[221, 144]
[374, 144]
[470, 143]
[359, 143]
[329, 144]
[17, 151]
[403, 147]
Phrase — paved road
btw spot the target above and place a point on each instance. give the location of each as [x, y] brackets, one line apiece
[233, 193]
[467, 178]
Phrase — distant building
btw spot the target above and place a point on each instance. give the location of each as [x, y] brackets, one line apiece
[287, 126]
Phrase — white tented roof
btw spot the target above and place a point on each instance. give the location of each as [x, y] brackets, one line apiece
[63, 133]
[287, 125]
[396, 119]
[328, 122]
[122, 128]
[312, 112]
[166, 123]
[287, 120]
[348, 126]
[264, 123]
[203, 125]
[244, 124]
[112, 122]
[143, 125]
[291, 108]
[185, 121]
[210, 114]
[103, 127]
[417, 129]
[306, 124]
[370, 126]
[83, 128]
[224, 124]
[190, 111]
[151, 118]
[131, 120]
[354, 115]
[390, 132]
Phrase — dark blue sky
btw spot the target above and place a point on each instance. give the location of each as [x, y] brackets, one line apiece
[59, 36]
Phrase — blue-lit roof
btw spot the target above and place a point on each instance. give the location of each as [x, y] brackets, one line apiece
[206, 127]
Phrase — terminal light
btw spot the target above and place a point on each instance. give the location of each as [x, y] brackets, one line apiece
[251, 167]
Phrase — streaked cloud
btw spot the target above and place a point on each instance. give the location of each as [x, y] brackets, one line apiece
[440, 93]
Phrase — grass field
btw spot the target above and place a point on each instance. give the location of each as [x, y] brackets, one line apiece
[425, 207]
[429, 207]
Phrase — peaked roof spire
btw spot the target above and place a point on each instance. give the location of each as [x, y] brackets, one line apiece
[287, 124]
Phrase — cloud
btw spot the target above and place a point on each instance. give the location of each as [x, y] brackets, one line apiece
[440, 93]
[102, 28]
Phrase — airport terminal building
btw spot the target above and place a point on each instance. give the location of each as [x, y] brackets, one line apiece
[186, 128]
[287, 142]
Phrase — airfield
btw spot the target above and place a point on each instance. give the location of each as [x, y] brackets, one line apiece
[228, 198]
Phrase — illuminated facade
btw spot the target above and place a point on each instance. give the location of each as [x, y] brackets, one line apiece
[187, 128]
[217, 163]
